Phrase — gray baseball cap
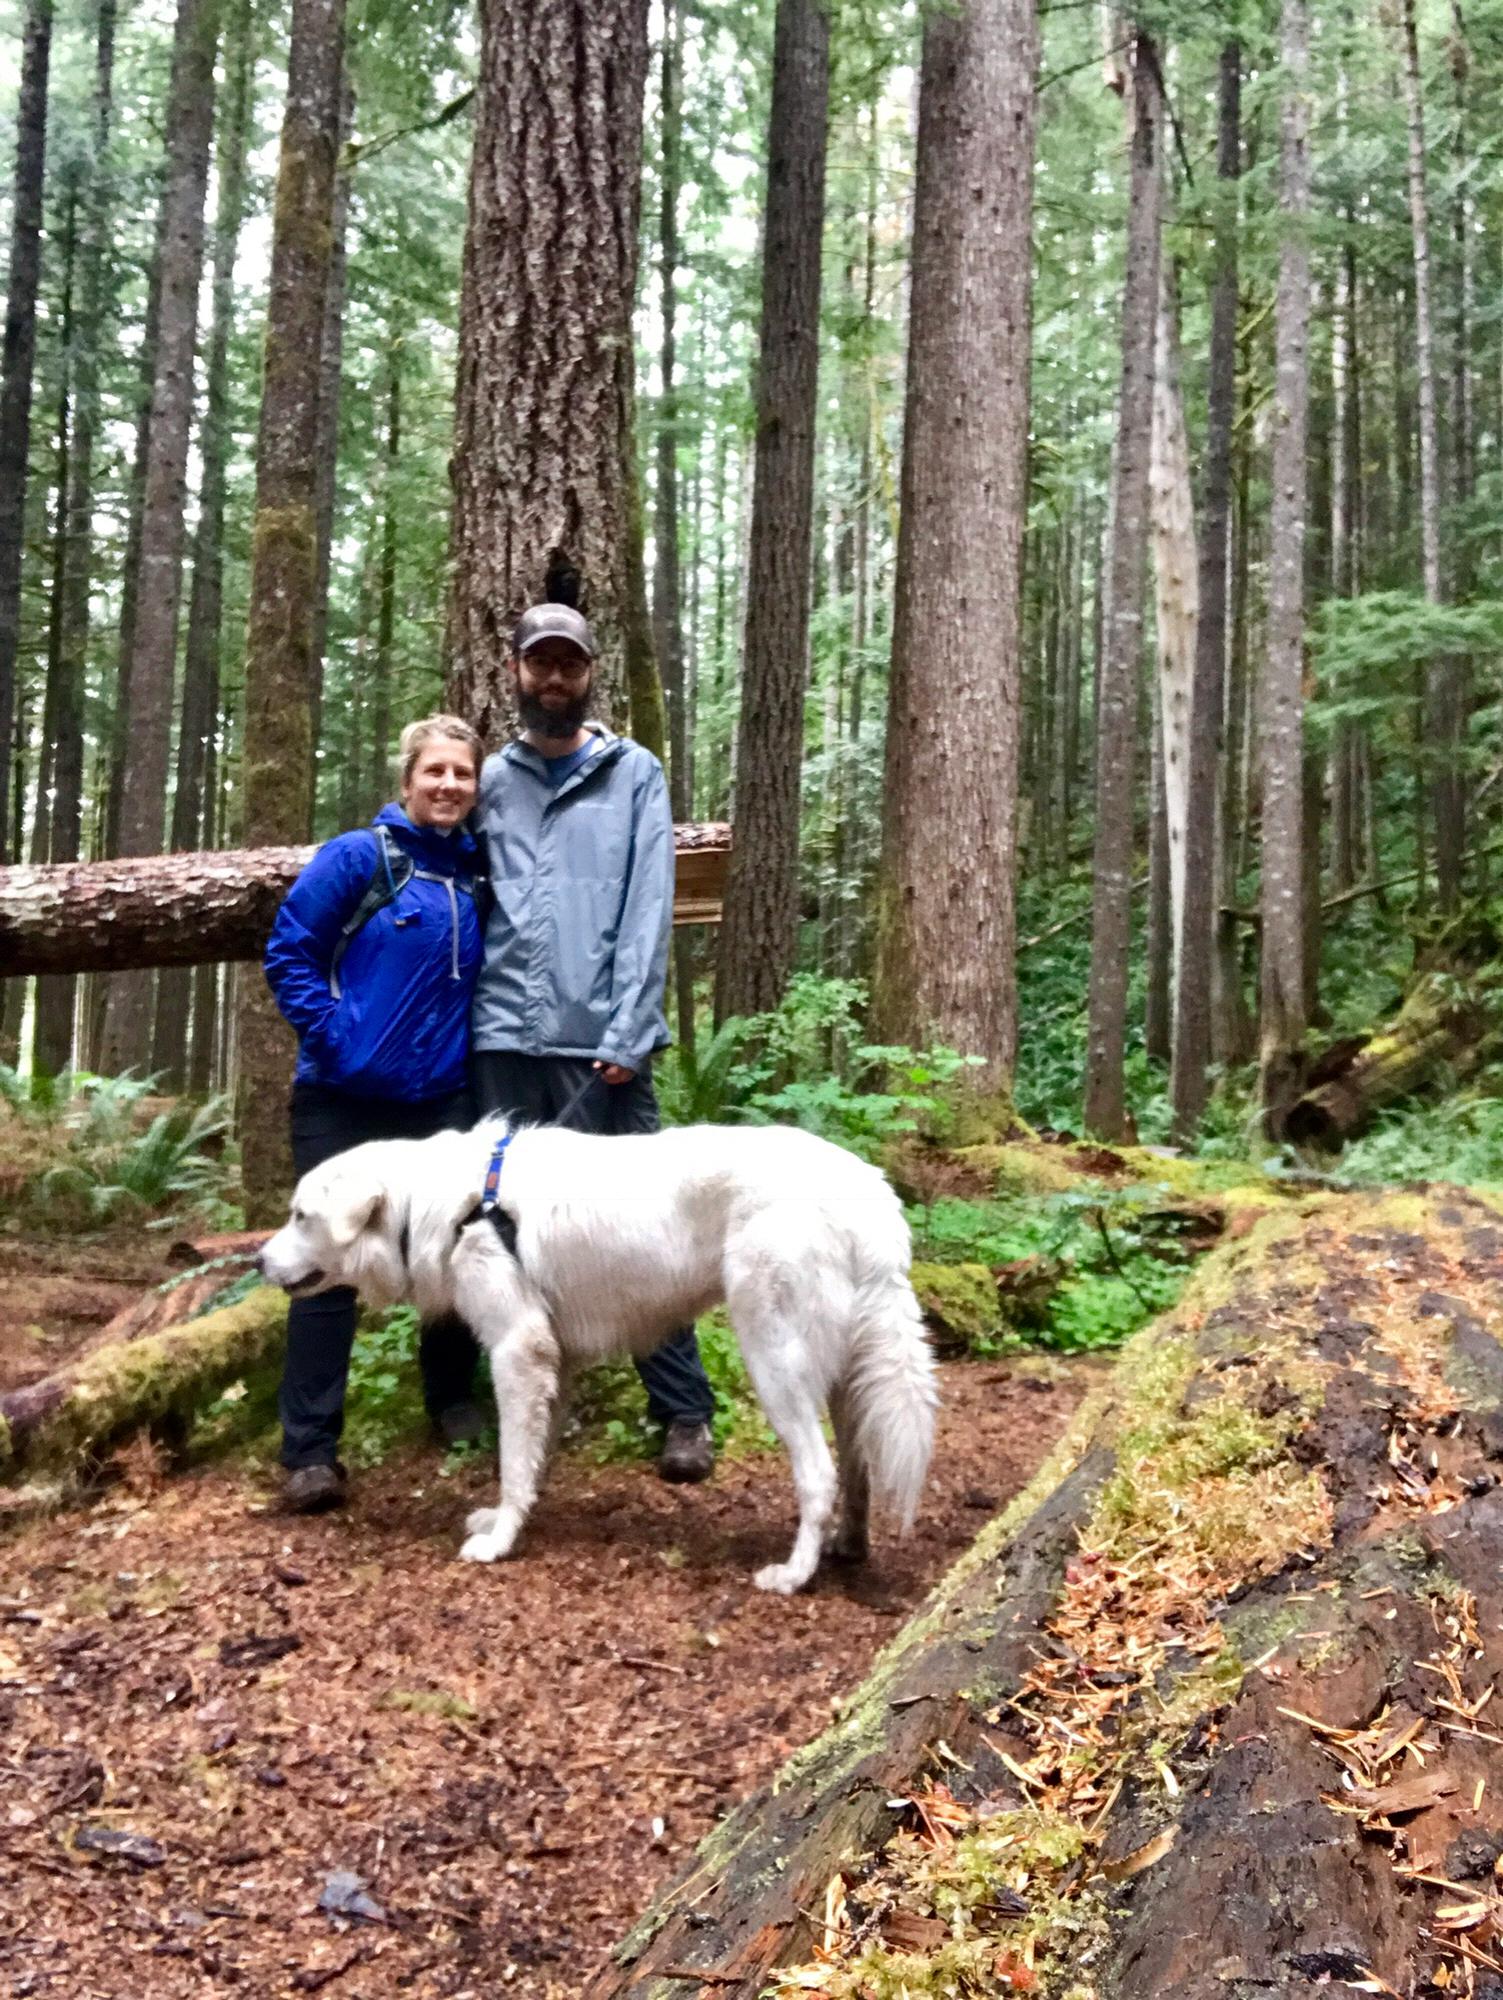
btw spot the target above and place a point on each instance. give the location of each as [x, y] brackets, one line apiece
[552, 621]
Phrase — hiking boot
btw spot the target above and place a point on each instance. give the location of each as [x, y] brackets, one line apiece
[461, 1423]
[314, 1489]
[688, 1454]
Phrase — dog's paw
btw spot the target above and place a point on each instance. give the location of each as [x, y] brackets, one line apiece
[479, 1549]
[482, 1521]
[781, 1578]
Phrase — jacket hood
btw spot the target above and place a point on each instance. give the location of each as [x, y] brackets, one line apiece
[443, 852]
[607, 744]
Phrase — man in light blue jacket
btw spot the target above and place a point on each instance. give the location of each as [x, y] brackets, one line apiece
[569, 1006]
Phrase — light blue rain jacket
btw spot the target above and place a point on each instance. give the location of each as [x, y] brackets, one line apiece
[576, 947]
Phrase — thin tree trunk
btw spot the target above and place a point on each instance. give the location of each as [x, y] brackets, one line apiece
[946, 911]
[18, 364]
[1205, 828]
[1177, 601]
[330, 376]
[277, 753]
[759, 938]
[379, 786]
[41, 817]
[1442, 693]
[1281, 713]
[545, 366]
[52, 1035]
[200, 693]
[1160, 912]
[151, 670]
[1120, 666]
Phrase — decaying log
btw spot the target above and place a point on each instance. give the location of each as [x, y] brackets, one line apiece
[1205, 1712]
[204, 909]
[1450, 1022]
[54, 1432]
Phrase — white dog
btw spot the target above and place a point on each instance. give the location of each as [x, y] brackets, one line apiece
[604, 1245]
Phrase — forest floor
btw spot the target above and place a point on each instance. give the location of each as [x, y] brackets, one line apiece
[57, 1292]
[212, 1717]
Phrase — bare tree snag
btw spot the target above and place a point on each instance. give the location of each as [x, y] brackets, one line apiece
[209, 909]
[1112, 1745]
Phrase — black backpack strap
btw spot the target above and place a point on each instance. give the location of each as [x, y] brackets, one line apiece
[392, 872]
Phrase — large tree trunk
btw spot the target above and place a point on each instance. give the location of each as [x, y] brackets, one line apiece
[667, 616]
[148, 675]
[52, 1042]
[17, 363]
[1205, 829]
[1111, 1745]
[1281, 717]
[330, 382]
[1117, 701]
[760, 938]
[1442, 692]
[946, 911]
[545, 343]
[213, 908]
[277, 755]
[199, 716]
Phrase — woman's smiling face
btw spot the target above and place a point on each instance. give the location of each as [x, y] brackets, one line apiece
[441, 787]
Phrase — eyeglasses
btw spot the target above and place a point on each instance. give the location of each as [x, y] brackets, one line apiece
[567, 670]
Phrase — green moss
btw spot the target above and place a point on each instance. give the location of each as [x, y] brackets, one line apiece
[961, 1298]
[1021, 1169]
[428, 1701]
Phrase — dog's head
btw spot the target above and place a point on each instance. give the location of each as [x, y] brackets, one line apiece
[339, 1232]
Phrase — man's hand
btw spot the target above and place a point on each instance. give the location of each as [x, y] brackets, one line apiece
[615, 1072]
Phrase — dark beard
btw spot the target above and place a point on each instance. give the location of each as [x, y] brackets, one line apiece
[556, 723]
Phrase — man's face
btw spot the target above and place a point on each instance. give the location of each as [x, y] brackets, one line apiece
[553, 688]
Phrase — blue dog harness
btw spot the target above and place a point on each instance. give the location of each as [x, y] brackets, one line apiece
[488, 1208]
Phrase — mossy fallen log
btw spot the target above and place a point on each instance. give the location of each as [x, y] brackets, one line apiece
[1205, 1711]
[55, 1432]
[1449, 1023]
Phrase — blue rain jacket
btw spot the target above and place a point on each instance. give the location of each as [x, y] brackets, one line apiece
[394, 1021]
[581, 879]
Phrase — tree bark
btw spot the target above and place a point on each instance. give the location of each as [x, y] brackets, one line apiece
[17, 365]
[1281, 719]
[217, 907]
[759, 940]
[1205, 827]
[56, 999]
[1116, 708]
[151, 670]
[1133, 1697]
[277, 752]
[545, 343]
[199, 715]
[946, 911]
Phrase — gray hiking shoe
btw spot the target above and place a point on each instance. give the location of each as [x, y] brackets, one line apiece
[314, 1489]
[688, 1454]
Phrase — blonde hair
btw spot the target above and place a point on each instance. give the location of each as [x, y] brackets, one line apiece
[434, 729]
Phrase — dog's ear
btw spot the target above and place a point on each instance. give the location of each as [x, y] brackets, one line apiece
[355, 1202]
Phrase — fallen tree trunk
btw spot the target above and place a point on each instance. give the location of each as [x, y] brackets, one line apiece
[55, 1432]
[206, 909]
[1450, 1022]
[1200, 1713]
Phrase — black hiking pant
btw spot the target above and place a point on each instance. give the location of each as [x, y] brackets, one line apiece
[321, 1329]
[539, 1090]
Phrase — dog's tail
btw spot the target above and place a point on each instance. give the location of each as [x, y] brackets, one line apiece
[891, 1391]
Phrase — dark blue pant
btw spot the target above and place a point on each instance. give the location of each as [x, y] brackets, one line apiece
[321, 1329]
[540, 1090]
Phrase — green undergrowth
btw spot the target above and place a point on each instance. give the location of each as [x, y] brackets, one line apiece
[1101, 1262]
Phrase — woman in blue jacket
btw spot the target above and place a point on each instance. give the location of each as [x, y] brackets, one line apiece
[373, 960]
